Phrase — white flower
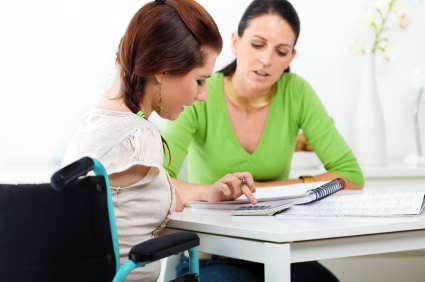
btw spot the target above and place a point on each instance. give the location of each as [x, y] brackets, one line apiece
[357, 47]
[400, 5]
[383, 5]
[401, 10]
[390, 52]
[391, 49]
[403, 21]
[381, 28]
[372, 20]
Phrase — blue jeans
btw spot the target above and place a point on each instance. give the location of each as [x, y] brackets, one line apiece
[229, 270]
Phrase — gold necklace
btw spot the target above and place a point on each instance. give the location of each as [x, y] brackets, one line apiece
[254, 103]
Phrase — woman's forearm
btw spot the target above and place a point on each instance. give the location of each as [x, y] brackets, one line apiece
[189, 191]
[227, 188]
[328, 176]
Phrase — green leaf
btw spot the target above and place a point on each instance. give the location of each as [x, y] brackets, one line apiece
[374, 25]
[379, 40]
[380, 13]
[382, 49]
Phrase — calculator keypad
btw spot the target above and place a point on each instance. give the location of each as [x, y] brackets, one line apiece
[261, 210]
[252, 208]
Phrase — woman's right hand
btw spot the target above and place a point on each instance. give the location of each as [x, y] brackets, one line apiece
[230, 187]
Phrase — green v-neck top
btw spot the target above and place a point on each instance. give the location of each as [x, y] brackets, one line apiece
[205, 133]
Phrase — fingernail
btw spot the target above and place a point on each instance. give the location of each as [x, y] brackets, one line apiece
[253, 201]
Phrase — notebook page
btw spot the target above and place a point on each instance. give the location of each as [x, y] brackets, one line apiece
[377, 204]
[280, 192]
[232, 206]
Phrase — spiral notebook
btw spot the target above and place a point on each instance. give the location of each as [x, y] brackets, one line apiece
[279, 195]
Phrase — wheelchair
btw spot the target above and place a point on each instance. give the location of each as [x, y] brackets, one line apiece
[65, 231]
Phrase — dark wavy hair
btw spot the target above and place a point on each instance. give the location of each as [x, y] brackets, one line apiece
[257, 8]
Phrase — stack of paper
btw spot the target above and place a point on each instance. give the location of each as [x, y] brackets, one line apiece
[399, 204]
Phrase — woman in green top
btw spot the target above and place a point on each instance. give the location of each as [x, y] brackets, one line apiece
[222, 135]
[254, 113]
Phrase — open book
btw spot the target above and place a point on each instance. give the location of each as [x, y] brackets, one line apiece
[390, 204]
[279, 195]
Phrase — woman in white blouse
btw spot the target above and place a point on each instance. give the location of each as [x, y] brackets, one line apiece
[169, 49]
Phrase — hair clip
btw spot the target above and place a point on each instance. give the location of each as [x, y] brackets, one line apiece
[160, 1]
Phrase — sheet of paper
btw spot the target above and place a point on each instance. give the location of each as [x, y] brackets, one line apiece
[378, 204]
[220, 206]
[277, 192]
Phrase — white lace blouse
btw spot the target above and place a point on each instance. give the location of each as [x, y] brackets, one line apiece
[120, 140]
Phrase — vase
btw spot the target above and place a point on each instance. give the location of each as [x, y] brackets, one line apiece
[369, 141]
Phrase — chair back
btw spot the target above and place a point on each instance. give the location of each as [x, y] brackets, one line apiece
[47, 235]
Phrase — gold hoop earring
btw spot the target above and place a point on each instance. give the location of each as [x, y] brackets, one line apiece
[160, 99]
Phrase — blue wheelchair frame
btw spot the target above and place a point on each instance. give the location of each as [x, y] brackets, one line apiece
[127, 267]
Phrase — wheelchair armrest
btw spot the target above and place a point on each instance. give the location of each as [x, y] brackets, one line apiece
[164, 246]
[71, 172]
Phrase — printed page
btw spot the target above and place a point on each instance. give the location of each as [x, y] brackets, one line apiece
[377, 204]
[232, 206]
[282, 192]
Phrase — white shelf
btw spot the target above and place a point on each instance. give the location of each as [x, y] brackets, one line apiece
[393, 169]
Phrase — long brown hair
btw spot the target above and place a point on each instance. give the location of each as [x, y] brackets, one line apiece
[166, 36]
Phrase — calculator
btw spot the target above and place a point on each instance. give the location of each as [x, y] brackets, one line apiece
[261, 210]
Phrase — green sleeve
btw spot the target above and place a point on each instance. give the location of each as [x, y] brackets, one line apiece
[178, 135]
[322, 135]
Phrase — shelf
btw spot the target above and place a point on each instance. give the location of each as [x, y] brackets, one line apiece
[393, 169]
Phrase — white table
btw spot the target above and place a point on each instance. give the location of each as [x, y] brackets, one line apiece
[381, 267]
[395, 173]
[277, 242]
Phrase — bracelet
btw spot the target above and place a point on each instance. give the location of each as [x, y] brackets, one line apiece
[307, 178]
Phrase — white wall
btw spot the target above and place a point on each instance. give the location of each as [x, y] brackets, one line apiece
[57, 60]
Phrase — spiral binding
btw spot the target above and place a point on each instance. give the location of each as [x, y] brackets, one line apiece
[329, 188]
